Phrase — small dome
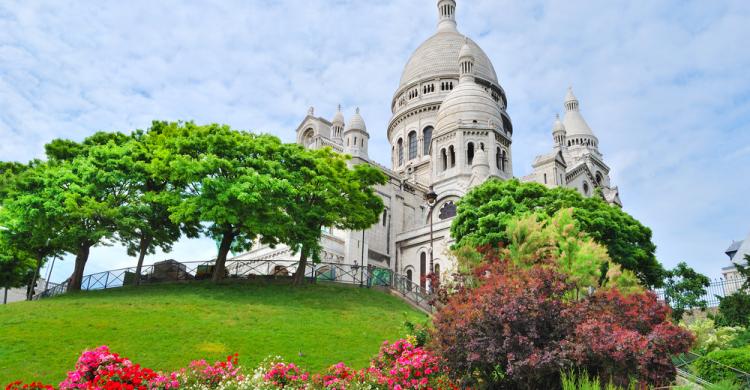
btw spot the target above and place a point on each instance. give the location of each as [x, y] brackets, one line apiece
[466, 50]
[339, 117]
[558, 126]
[356, 123]
[480, 158]
[573, 121]
[468, 104]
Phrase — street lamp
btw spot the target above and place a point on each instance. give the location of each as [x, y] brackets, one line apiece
[431, 198]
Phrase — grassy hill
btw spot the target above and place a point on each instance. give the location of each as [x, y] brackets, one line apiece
[166, 326]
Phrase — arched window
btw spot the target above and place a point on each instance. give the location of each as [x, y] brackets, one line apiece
[385, 216]
[427, 139]
[412, 145]
[436, 271]
[409, 279]
[422, 269]
[400, 151]
[599, 178]
[355, 141]
[545, 178]
[452, 153]
[585, 188]
[470, 154]
[498, 159]
[307, 138]
[444, 158]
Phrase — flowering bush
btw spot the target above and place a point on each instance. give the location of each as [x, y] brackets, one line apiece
[102, 369]
[399, 365]
[19, 385]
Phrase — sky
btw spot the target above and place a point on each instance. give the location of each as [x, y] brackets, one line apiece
[663, 84]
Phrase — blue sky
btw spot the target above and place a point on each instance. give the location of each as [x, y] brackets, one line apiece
[664, 85]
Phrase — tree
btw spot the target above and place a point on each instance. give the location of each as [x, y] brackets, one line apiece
[525, 316]
[15, 266]
[326, 193]
[485, 211]
[145, 223]
[684, 289]
[231, 181]
[30, 227]
[84, 190]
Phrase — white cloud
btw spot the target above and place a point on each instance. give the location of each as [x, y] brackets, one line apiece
[663, 85]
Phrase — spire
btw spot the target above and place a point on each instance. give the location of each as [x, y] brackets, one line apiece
[447, 14]
[466, 60]
[338, 125]
[571, 101]
[558, 132]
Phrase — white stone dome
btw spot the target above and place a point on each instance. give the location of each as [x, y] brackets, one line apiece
[339, 117]
[438, 56]
[557, 125]
[356, 123]
[471, 105]
[575, 125]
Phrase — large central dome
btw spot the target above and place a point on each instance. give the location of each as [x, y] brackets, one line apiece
[438, 56]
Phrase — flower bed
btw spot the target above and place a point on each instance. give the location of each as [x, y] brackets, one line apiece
[399, 365]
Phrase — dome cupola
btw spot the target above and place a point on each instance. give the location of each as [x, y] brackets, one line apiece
[447, 13]
[577, 131]
[356, 137]
[469, 104]
[558, 132]
[337, 128]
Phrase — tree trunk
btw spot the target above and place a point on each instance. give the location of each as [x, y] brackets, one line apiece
[81, 258]
[5, 297]
[32, 285]
[219, 269]
[299, 275]
[145, 242]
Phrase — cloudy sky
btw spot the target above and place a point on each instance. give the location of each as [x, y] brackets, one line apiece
[664, 85]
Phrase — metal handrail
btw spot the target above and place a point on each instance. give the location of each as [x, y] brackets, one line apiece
[172, 270]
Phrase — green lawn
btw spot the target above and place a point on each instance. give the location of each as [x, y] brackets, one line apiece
[166, 326]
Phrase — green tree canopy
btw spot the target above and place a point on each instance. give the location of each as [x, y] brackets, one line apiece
[229, 181]
[15, 265]
[484, 213]
[684, 289]
[29, 227]
[144, 224]
[326, 193]
[83, 189]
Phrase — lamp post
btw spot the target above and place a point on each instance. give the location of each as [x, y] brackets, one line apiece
[431, 198]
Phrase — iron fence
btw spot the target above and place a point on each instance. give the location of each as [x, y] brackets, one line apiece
[718, 288]
[174, 271]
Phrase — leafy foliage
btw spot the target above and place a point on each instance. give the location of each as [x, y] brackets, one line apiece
[684, 289]
[230, 180]
[734, 310]
[484, 213]
[325, 192]
[709, 338]
[715, 366]
[527, 312]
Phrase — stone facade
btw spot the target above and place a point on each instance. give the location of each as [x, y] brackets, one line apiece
[449, 132]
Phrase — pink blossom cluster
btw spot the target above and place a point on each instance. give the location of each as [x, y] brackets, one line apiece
[101, 369]
[286, 375]
[201, 372]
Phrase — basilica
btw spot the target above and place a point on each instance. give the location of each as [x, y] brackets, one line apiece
[450, 131]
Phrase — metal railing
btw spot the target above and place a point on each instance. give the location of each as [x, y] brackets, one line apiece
[682, 363]
[174, 271]
[718, 288]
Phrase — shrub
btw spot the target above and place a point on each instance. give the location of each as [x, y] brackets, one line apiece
[709, 338]
[521, 325]
[734, 310]
[713, 366]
